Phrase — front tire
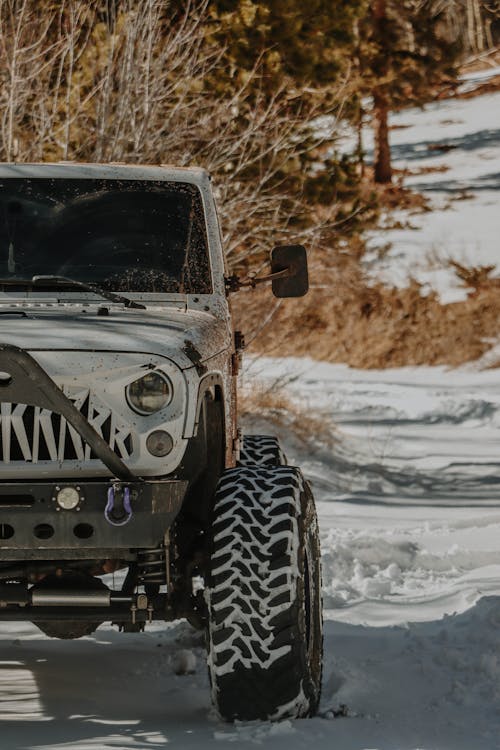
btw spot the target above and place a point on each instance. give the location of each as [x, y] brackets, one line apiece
[264, 601]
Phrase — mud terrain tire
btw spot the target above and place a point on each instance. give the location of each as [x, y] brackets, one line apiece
[264, 600]
[261, 450]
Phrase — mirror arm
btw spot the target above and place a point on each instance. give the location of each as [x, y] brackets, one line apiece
[234, 283]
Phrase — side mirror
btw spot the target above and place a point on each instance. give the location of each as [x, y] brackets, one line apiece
[291, 258]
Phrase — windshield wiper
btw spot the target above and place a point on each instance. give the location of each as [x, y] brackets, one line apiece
[95, 288]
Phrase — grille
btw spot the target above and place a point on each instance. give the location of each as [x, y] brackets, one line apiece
[31, 434]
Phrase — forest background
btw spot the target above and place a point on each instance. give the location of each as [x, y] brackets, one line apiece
[261, 94]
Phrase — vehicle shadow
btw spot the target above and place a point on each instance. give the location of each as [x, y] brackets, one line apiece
[99, 691]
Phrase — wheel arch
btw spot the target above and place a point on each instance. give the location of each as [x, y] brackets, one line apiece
[213, 384]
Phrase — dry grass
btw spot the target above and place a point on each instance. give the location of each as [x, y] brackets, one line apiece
[272, 404]
[343, 319]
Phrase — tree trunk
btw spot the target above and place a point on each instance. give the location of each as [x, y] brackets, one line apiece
[471, 30]
[382, 162]
[359, 148]
[479, 27]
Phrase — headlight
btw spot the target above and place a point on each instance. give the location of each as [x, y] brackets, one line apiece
[150, 393]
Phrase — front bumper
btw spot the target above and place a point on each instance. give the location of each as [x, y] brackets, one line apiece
[33, 526]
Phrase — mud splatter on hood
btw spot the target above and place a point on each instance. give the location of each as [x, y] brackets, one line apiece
[176, 334]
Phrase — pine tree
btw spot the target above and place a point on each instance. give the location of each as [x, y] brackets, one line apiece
[405, 53]
[311, 42]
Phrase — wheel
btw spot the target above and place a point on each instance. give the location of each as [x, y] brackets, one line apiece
[264, 600]
[263, 450]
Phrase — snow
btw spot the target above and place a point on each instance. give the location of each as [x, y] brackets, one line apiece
[460, 139]
[478, 77]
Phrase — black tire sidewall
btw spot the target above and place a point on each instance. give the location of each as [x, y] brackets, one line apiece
[290, 686]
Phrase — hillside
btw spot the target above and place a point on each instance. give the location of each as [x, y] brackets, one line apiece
[422, 288]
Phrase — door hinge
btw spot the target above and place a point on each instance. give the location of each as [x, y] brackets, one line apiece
[239, 346]
[237, 443]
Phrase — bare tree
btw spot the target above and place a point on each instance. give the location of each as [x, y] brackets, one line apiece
[469, 21]
[130, 85]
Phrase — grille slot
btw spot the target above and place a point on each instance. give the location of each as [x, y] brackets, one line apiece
[30, 434]
[17, 501]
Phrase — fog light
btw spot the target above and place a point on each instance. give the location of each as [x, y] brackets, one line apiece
[159, 443]
[67, 498]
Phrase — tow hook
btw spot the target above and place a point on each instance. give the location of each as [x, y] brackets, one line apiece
[118, 509]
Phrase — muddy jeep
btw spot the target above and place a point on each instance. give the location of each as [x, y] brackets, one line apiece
[119, 447]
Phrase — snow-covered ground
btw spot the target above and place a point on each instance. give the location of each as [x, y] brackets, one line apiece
[459, 140]
[408, 500]
[409, 507]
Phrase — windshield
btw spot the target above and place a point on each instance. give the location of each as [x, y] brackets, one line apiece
[125, 235]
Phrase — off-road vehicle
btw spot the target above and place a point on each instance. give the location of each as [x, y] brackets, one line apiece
[119, 446]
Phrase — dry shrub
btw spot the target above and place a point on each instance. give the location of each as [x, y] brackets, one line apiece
[476, 278]
[393, 196]
[272, 404]
[343, 319]
[396, 197]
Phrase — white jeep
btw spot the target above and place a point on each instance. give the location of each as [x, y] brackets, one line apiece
[119, 446]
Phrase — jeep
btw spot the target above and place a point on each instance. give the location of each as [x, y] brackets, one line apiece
[119, 445]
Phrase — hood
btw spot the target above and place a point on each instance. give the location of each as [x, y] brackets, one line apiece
[186, 337]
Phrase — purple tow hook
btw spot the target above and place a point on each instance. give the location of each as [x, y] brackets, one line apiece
[109, 511]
